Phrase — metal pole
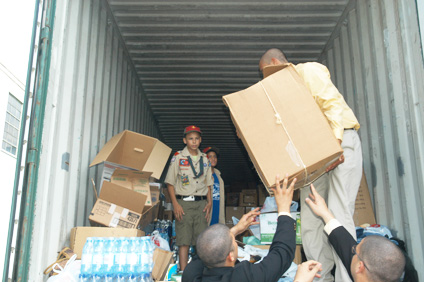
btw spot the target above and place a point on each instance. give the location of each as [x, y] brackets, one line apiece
[20, 145]
[29, 187]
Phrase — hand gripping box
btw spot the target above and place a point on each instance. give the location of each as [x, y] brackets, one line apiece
[283, 128]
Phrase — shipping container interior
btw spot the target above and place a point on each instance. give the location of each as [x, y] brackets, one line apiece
[156, 67]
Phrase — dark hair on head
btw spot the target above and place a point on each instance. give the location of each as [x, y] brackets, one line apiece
[385, 260]
[214, 244]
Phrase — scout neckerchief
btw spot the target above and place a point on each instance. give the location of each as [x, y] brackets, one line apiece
[196, 175]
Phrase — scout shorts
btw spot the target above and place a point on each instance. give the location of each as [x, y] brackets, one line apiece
[192, 224]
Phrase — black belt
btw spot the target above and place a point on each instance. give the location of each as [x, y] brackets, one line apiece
[196, 198]
[350, 128]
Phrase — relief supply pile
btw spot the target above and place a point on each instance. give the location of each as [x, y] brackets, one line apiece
[117, 259]
[128, 198]
[114, 248]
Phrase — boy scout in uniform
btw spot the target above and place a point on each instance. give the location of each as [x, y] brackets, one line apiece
[189, 181]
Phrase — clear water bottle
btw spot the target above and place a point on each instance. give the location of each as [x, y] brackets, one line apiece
[86, 273]
[146, 259]
[121, 260]
[98, 249]
[108, 259]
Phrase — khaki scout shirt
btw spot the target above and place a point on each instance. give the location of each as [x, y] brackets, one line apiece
[181, 176]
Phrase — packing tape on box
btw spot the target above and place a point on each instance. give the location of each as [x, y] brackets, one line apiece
[124, 213]
[114, 220]
[112, 209]
[290, 147]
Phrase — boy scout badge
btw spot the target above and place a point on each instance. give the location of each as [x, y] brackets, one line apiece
[184, 180]
[184, 162]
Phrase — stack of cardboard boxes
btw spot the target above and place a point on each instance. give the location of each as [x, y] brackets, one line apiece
[129, 195]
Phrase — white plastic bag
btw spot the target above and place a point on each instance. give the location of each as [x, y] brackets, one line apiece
[159, 241]
[70, 272]
[271, 206]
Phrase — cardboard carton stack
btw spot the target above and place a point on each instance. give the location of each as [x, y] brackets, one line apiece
[129, 199]
[126, 197]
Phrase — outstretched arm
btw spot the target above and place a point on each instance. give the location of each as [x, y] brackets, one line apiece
[318, 205]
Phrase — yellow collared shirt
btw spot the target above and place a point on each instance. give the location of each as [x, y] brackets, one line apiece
[331, 102]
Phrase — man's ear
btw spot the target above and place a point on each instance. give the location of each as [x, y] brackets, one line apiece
[360, 267]
[231, 257]
[275, 61]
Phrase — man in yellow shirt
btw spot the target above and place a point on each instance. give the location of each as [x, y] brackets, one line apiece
[340, 185]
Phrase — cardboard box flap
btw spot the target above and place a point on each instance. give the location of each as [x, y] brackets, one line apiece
[162, 259]
[159, 157]
[109, 152]
[123, 197]
[271, 69]
[285, 144]
[134, 150]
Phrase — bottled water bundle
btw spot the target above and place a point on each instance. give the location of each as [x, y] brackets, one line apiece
[117, 259]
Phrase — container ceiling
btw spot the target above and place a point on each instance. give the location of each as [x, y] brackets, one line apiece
[188, 54]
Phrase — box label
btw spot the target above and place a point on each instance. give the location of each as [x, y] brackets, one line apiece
[268, 226]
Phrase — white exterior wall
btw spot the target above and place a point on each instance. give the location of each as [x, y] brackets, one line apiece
[8, 84]
[376, 61]
[93, 94]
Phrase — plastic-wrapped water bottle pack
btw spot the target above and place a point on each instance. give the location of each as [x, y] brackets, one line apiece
[117, 259]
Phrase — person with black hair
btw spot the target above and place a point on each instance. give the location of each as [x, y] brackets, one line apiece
[375, 258]
[217, 250]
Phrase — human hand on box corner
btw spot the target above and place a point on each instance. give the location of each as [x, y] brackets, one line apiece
[207, 209]
[246, 220]
[178, 211]
[336, 163]
[283, 194]
[318, 205]
[307, 271]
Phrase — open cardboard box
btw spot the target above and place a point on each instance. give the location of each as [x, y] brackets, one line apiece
[131, 150]
[79, 235]
[300, 142]
[117, 206]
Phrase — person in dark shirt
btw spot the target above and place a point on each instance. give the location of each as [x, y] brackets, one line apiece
[217, 250]
[375, 258]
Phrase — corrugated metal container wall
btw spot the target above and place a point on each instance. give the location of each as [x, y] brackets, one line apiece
[376, 61]
[93, 94]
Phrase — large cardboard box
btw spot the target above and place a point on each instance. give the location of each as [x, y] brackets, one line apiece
[283, 129]
[117, 206]
[248, 198]
[79, 235]
[131, 150]
[162, 259]
[237, 212]
[364, 212]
